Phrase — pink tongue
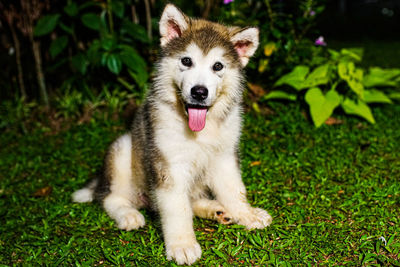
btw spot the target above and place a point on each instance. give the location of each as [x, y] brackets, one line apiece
[197, 118]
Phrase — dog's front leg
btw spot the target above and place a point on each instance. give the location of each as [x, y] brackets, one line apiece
[176, 214]
[227, 185]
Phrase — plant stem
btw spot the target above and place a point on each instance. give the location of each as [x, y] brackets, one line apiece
[148, 19]
[270, 15]
[110, 18]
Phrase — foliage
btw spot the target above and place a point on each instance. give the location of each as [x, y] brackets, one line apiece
[333, 193]
[336, 81]
[110, 46]
[285, 31]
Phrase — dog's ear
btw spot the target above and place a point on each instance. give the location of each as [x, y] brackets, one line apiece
[172, 23]
[245, 42]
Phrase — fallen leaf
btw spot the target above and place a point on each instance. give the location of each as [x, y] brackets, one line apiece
[256, 89]
[43, 192]
[333, 121]
[255, 163]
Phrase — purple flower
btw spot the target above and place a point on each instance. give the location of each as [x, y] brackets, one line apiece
[228, 1]
[312, 13]
[320, 41]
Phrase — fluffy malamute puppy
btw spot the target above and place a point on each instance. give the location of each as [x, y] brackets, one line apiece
[181, 156]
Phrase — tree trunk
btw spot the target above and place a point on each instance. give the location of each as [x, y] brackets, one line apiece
[19, 66]
[39, 72]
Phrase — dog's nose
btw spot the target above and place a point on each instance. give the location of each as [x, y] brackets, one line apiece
[199, 92]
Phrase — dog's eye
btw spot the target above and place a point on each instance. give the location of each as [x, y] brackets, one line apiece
[187, 61]
[218, 66]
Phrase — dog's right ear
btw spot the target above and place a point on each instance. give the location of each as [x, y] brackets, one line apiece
[172, 24]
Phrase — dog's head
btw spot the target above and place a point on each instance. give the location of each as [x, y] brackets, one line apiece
[205, 61]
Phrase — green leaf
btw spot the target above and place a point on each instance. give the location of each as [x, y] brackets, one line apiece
[66, 28]
[136, 31]
[295, 78]
[91, 21]
[352, 53]
[318, 76]
[375, 96]
[353, 76]
[46, 24]
[79, 63]
[321, 107]
[140, 78]
[132, 59]
[360, 109]
[114, 63]
[395, 96]
[381, 77]
[108, 43]
[71, 9]
[118, 8]
[58, 45]
[276, 94]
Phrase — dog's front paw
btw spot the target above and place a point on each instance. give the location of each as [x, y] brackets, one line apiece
[255, 218]
[129, 219]
[184, 252]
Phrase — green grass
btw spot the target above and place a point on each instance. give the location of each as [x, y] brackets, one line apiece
[333, 192]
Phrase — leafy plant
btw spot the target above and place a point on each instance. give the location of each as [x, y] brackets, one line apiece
[107, 42]
[338, 82]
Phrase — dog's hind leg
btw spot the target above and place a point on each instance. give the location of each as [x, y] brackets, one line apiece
[122, 201]
[211, 209]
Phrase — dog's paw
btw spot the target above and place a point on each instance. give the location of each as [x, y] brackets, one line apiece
[223, 217]
[130, 219]
[184, 252]
[255, 218]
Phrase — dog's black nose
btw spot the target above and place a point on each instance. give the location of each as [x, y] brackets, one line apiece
[199, 92]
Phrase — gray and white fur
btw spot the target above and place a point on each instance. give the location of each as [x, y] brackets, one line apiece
[178, 163]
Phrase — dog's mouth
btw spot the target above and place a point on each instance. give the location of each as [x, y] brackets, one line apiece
[197, 116]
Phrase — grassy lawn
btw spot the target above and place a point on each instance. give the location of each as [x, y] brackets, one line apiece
[333, 193]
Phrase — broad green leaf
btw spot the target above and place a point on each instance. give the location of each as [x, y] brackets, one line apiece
[108, 43]
[71, 9]
[395, 96]
[91, 21]
[276, 94]
[360, 109]
[318, 76]
[118, 8]
[139, 77]
[321, 107]
[295, 78]
[353, 76]
[58, 45]
[114, 63]
[66, 28]
[353, 53]
[46, 24]
[334, 54]
[375, 96]
[132, 59]
[79, 62]
[381, 77]
[136, 31]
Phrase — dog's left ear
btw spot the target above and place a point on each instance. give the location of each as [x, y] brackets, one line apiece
[172, 23]
[245, 43]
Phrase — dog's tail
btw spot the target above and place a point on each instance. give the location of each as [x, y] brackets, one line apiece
[85, 194]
